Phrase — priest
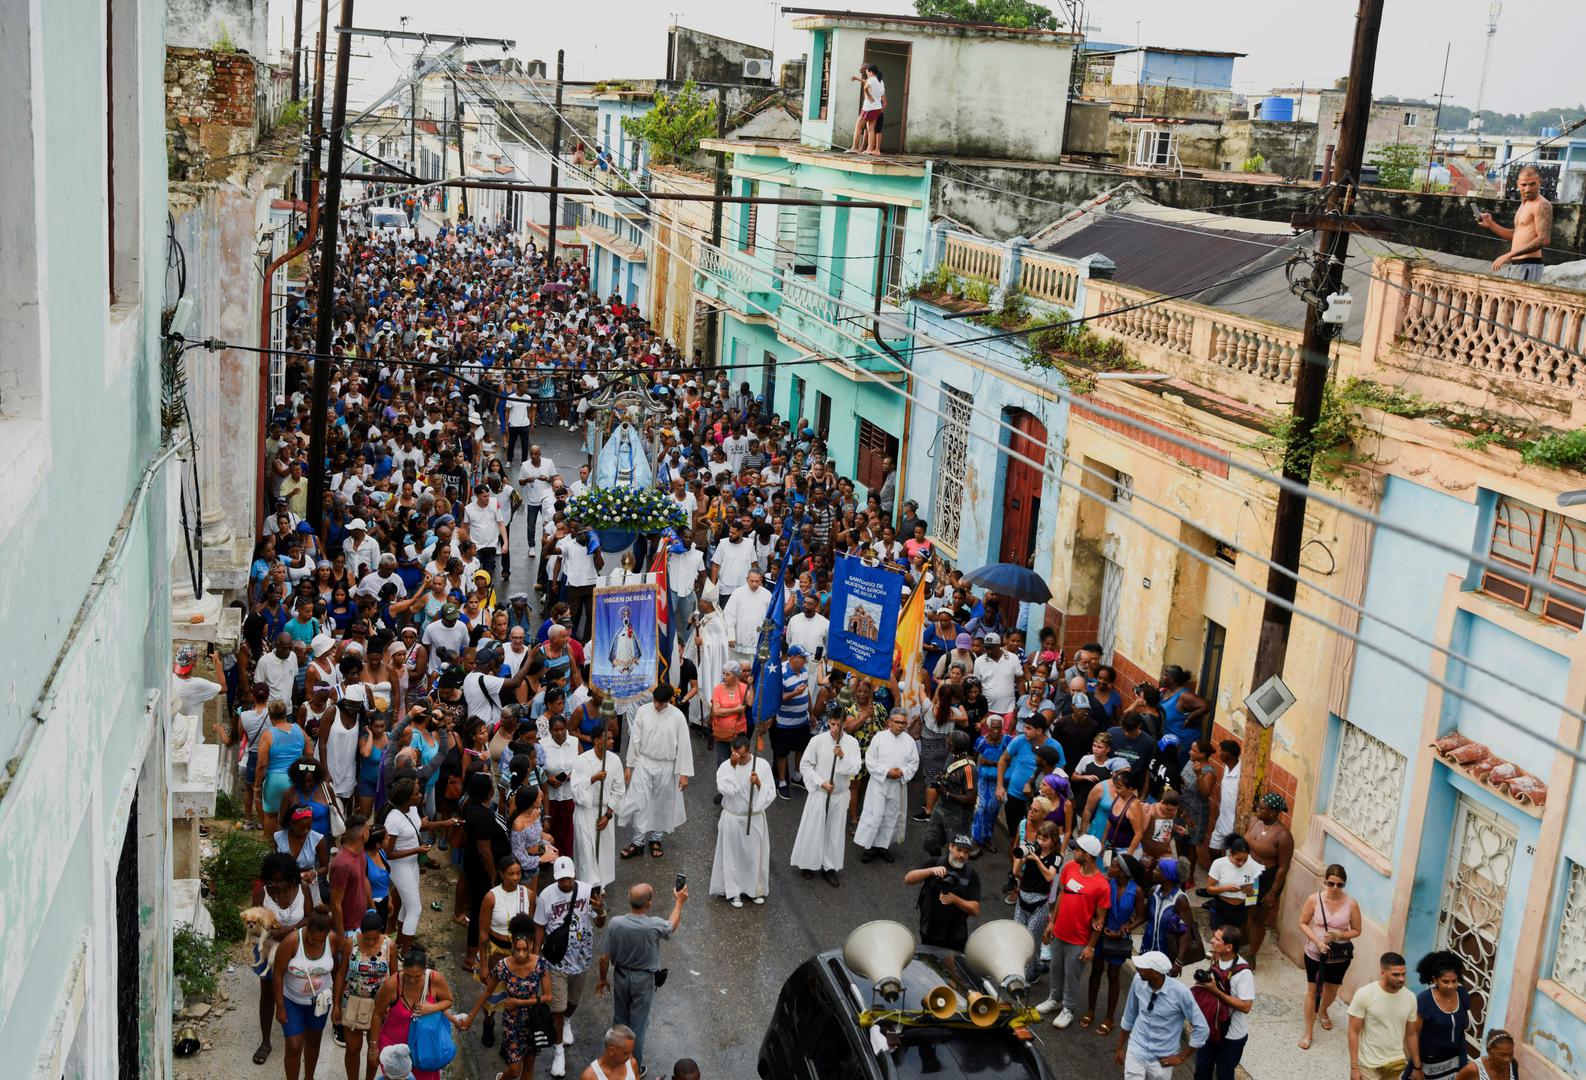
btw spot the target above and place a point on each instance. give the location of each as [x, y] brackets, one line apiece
[706, 645]
[891, 760]
[660, 761]
[742, 867]
[829, 763]
[598, 788]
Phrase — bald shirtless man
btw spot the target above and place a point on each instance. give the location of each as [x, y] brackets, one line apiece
[1533, 228]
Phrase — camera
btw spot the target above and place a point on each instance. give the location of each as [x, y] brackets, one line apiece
[1203, 975]
[1029, 851]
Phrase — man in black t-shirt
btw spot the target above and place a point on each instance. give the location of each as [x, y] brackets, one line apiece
[949, 895]
[1131, 742]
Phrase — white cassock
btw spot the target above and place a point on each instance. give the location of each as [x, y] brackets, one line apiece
[886, 801]
[658, 753]
[744, 614]
[742, 866]
[820, 840]
[709, 656]
[592, 798]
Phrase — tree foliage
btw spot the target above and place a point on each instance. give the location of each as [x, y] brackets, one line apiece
[674, 127]
[1396, 165]
[1018, 14]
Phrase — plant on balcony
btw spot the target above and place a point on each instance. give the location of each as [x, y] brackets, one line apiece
[294, 114]
[1330, 446]
[674, 127]
[1557, 450]
[1388, 399]
[943, 281]
[1014, 312]
[1253, 164]
[1048, 347]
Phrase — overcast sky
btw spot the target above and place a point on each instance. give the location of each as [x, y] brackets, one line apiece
[1288, 41]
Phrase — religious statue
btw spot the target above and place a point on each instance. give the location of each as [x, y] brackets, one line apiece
[622, 462]
[624, 654]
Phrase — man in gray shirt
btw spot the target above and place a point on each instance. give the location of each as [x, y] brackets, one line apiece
[632, 947]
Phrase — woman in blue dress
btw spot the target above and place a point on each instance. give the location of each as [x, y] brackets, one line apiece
[1442, 1015]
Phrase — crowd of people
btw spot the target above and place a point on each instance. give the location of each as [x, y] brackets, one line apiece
[408, 698]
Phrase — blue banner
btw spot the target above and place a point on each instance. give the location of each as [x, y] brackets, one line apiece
[624, 650]
[767, 674]
[864, 620]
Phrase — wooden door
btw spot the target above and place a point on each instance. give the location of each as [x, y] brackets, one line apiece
[1021, 498]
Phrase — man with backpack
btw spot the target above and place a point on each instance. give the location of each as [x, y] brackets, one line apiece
[565, 918]
[1151, 1037]
[1225, 990]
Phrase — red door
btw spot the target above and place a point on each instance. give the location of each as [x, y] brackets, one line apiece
[1021, 498]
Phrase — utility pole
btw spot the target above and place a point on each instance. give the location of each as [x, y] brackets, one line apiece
[324, 322]
[556, 163]
[715, 212]
[462, 162]
[1288, 527]
[297, 52]
[413, 127]
[1437, 119]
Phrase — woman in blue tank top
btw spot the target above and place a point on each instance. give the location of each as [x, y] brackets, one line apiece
[279, 748]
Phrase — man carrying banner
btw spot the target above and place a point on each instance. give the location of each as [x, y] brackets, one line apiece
[829, 764]
[598, 788]
[660, 761]
[742, 867]
[706, 645]
[892, 760]
[791, 731]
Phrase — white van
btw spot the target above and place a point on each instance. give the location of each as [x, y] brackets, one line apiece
[387, 221]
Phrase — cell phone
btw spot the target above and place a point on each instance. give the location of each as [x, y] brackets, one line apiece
[679, 882]
[1476, 212]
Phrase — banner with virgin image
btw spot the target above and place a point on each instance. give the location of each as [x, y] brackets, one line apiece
[625, 660]
[864, 617]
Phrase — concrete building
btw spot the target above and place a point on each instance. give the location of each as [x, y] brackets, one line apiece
[1407, 123]
[1151, 80]
[89, 485]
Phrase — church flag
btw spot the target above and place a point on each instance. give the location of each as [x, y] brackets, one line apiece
[864, 617]
[665, 633]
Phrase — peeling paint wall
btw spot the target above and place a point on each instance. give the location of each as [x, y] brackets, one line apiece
[92, 628]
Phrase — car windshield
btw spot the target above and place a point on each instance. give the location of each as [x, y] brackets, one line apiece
[387, 219]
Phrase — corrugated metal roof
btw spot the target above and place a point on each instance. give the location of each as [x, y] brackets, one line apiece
[1164, 258]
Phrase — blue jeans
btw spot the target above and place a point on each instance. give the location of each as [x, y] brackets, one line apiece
[1218, 1061]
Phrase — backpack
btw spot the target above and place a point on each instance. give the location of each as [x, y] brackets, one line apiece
[1217, 1013]
[554, 949]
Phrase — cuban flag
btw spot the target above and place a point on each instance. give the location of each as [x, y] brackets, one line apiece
[665, 635]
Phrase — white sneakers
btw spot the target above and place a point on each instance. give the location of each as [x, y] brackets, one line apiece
[1063, 1019]
[1047, 1006]
[559, 1061]
[567, 1031]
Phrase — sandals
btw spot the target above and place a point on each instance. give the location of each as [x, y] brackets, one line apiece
[1084, 1021]
[655, 849]
[1104, 1027]
[1325, 1020]
[631, 851]
[262, 1054]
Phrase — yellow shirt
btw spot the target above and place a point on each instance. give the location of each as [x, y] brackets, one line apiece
[1385, 1016]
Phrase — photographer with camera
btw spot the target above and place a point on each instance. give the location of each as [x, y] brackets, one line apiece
[950, 895]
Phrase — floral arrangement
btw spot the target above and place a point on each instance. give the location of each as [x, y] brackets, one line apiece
[646, 510]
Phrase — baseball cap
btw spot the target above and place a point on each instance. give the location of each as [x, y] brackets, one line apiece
[964, 841]
[1080, 701]
[964, 641]
[1090, 845]
[186, 656]
[992, 639]
[450, 611]
[796, 650]
[356, 524]
[1153, 961]
[301, 812]
[562, 868]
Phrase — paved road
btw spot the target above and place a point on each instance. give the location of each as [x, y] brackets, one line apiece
[728, 965]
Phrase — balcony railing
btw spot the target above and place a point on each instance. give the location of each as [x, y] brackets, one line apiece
[1047, 278]
[1513, 329]
[973, 258]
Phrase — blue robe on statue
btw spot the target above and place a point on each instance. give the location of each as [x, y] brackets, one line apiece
[622, 462]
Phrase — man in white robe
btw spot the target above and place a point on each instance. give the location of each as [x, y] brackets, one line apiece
[742, 866]
[706, 645]
[598, 788]
[892, 759]
[660, 761]
[829, 763]
[745, 615]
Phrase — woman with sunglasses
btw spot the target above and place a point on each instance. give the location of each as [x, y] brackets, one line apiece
[1329, 919]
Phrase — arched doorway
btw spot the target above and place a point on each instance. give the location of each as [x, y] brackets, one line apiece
[1021, 494]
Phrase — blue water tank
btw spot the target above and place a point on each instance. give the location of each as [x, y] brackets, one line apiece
[1280, 109]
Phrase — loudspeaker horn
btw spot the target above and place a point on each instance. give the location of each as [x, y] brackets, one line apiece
[941, 1002]
[879, 951]
[1000, 951]
[983, 1009]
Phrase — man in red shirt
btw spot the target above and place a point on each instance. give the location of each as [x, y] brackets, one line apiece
[1080, 898]
[349, 877]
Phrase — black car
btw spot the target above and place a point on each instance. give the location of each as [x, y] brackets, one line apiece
[815, 1033]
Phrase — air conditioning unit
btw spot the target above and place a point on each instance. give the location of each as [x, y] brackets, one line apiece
[757, 69]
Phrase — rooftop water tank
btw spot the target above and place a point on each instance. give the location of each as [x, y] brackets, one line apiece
[1280, 109]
